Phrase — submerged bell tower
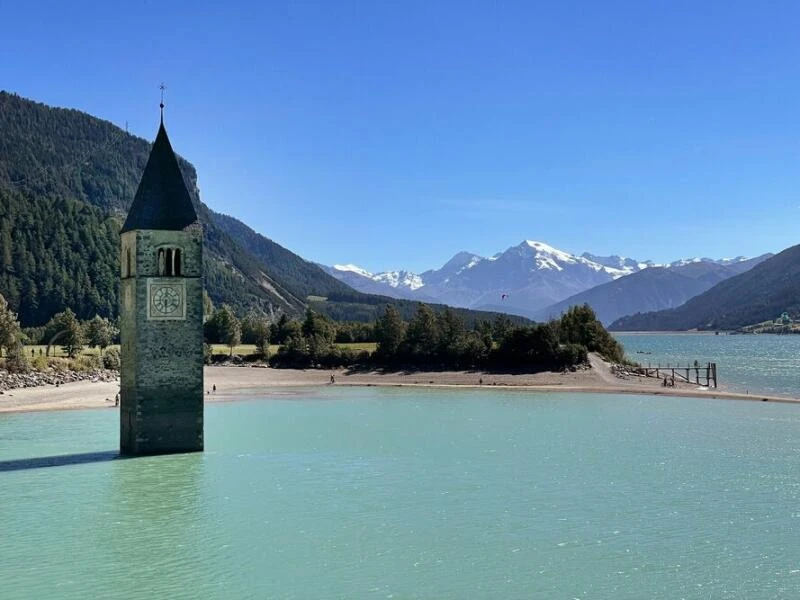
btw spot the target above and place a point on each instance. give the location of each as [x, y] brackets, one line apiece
[161, 312]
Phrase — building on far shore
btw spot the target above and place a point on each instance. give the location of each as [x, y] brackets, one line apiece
[161, 313]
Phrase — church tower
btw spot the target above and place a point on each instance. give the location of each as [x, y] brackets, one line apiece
[161, 313]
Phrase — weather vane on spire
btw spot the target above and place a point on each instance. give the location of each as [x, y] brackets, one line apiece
[162, 87]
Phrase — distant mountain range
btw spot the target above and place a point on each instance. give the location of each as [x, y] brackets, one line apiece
[654, 288]
[536, 280]
[760, 294]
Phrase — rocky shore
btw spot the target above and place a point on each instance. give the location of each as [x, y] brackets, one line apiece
[12, 381]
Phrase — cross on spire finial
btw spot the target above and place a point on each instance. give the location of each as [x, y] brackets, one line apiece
[162, 87]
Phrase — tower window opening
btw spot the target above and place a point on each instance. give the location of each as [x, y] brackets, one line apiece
[169, 262]
[127, 262]
[168, 272]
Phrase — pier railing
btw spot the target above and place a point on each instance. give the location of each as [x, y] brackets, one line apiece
[696, 373]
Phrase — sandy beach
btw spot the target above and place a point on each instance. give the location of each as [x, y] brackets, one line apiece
[239, 382]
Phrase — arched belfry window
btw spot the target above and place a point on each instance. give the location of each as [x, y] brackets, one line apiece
[169, 262]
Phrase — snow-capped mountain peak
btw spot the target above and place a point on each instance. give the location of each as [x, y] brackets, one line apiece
[521, 279]
[549, 258]
[544, 249]
[395, 279]
[353, 269]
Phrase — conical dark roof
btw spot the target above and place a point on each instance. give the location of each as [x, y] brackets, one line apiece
[162, 200]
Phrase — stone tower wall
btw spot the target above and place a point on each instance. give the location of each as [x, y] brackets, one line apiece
[162, 358]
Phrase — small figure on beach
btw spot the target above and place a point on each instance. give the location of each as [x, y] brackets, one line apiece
[480, 381]
[333, 378]
[214, 388]
[116, 400]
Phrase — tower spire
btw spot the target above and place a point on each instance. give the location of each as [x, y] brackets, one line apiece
[162, 200]
[162, 87]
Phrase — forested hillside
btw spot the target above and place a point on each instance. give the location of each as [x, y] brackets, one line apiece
[757, 295]
[49, 263]
[301, 277]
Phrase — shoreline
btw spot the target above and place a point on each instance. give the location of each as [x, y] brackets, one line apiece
[234, 383]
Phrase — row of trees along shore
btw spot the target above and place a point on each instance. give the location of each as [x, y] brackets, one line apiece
[64, 330]
[428, 340]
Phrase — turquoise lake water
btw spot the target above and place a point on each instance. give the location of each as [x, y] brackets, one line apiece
[390, 493]
[768, 364]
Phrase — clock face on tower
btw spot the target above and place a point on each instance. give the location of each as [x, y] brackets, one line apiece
[166, 300]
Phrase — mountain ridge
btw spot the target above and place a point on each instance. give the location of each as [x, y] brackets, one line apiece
[759, 294]
[653, 288]
[529, 279]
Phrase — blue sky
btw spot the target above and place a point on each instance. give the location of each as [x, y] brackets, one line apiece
[393, 134]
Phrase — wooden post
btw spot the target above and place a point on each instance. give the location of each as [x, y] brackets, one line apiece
[714, 370]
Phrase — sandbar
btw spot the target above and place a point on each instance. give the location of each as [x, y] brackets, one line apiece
[247, 382]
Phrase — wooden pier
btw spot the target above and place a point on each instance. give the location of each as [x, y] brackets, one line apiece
[699, 374]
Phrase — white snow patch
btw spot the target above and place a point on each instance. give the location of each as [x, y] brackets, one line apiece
[547, 263]
[473, 261]
[396, 279]
[550, 258]
[354, 269]
[554, 252]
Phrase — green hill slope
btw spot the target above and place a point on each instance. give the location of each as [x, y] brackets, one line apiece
[301, 278]
[760, 294]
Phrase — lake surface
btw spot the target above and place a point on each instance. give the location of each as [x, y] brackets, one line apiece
[390, 493]
[768, 364]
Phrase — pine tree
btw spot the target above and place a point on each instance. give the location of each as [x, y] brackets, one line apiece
[389, 333]
[422, 335]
